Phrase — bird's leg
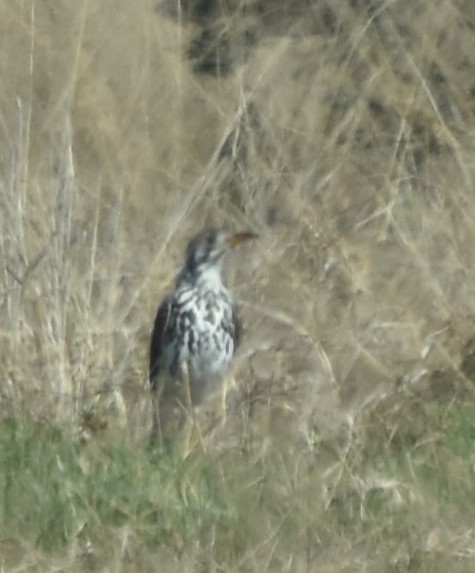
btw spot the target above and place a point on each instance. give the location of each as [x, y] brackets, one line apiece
[185, 377]
[168, 412]
[156, 421]
[195, 426]
[229, 382]
[224, 393]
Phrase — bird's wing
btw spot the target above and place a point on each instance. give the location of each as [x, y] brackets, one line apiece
[237, 335]
[157, 340]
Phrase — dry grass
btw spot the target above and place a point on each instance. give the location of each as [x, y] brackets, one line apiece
[344, 133]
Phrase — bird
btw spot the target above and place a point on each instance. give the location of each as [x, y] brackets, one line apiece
[196, 332]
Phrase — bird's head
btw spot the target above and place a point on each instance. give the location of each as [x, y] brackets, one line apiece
[206, 250]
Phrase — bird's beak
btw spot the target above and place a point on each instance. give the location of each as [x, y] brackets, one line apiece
[238, 238]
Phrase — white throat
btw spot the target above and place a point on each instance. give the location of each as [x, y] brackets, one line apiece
[211, 278]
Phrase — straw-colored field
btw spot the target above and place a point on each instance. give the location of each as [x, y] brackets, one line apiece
[343, 132]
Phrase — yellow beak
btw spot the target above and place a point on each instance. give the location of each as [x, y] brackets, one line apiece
[238, 238]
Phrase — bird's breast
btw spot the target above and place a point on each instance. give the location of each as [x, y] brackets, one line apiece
[201, 328]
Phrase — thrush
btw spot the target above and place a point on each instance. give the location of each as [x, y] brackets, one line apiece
[196, 332]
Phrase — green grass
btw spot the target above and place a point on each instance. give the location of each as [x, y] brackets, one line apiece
[58, 492]
[54, 487]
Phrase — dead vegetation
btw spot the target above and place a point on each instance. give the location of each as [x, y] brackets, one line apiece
[342, 132]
